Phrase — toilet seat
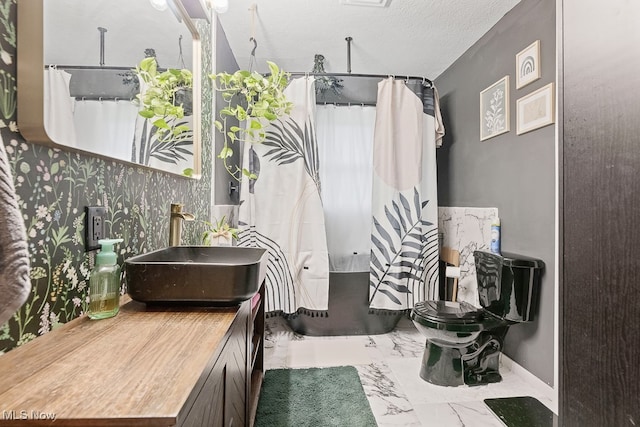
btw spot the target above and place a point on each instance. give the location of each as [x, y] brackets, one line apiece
[454, 316]
[448, 312]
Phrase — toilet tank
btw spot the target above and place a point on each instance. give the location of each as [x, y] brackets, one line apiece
[508, 284]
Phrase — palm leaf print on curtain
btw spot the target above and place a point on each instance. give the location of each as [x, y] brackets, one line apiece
[404, 235]
[290, 142]
[152, 149]
[404, 243]
[281, 210]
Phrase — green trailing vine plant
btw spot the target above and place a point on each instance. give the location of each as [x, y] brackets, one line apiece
[252, 98]
[160, 102]
[164, 99]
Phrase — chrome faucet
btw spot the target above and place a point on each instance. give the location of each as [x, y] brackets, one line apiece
[175, 223]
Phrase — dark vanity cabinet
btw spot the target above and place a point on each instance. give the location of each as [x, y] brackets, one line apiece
[222, 399]
[256, 356]
[230, 394]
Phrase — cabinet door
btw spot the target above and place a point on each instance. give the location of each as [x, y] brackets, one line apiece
[208, 409]
[223, 398]
[235, 354]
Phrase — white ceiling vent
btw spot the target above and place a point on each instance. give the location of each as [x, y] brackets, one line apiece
[369, 3]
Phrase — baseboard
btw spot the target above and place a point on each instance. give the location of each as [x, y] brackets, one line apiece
[548, 394]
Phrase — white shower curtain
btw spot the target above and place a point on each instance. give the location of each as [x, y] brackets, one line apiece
[345, 147]
[111, 135]
[282, 211]
[379, 196]
[404, 254]
[58, 107]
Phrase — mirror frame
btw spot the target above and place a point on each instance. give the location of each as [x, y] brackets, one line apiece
[30, 85]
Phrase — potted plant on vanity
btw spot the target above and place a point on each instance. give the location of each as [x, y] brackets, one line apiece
[219, 233]
[252, 98]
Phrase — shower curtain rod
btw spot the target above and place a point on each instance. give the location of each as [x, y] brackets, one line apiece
[91, 67]
[104, 98]
[347, 104]
[381, 76]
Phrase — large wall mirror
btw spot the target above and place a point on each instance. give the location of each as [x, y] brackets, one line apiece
[77, 83]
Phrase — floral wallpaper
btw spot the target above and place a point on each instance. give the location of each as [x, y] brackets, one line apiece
[53, 187]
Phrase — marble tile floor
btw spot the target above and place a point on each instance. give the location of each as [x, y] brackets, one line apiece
[389, 366]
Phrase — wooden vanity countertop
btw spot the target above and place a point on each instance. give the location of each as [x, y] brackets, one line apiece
[143, 367]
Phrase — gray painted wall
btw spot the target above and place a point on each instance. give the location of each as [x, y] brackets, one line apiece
[514, 173]
[225, 61]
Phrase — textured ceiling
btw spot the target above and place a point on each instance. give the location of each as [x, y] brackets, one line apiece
[410, 37]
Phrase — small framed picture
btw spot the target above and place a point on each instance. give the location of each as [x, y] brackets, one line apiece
[535, 110]
[494, 109]
[528, 65]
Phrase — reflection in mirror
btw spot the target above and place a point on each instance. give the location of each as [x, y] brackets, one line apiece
[86, 94]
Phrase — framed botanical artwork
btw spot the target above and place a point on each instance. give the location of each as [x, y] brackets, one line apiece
[535, 110]
[494, 109]
[528, 65]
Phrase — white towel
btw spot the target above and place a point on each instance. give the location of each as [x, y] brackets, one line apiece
[15, 284]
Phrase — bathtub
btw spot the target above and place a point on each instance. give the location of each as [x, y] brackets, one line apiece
[348, 310]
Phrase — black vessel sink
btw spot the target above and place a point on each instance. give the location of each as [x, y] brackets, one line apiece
[202, 275]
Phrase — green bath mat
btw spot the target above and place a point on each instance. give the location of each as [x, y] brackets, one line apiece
[314, 397]
[524, 411]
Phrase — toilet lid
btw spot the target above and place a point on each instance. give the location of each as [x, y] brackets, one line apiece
[448, 311]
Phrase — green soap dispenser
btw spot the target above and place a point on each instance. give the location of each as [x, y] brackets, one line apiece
[104, 282]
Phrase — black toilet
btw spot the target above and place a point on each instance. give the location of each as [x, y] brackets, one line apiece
[464, 342]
